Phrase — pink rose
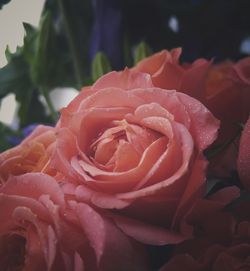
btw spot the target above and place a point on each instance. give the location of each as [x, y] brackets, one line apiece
[167, 72]
[39, 230]
[136, 151]
[224, 88]
[32, 155]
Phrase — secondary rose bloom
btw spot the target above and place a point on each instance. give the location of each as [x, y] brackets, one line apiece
[136, 150]
[228, 93]
[228, 97]
[40, 231]
[32, 155]
[221, 239]
[167, 72]
[224, 88]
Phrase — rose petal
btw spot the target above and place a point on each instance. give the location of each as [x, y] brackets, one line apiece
[123, 80]
[146, 233]
[107, 241]
[33, 185]
[204, 126]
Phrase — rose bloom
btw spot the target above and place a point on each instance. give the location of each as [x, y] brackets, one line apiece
[40, 231]
[167, 72]
[221, 238]
[136, 150]
[228, 94]
[228, 97]
[224, 88]
[32, 155]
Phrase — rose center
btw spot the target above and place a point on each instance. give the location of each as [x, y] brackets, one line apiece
[12, 252]
[120, 147]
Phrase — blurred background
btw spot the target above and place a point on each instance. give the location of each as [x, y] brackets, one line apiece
[49, 49]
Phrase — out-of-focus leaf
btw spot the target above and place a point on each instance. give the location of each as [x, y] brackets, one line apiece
[14, 77]
[34, 109]
[29, 40]
[141, 51]
[100, 65]
[3, 2]
[43, 64]
[5, 133]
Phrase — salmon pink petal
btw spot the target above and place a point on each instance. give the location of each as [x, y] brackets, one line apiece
[168, 77]
[120, 98]
[166, 183]
[124, 80]
[243, 162]
[166, 165]
[126, 157]
[147, 234]
[33, 185]
[65, 149]
[8, 204]
[167, 99]
[155, 63]
[194, 188]
[196, 88]
[204, 126]
[123, 180]
[152, 110]
[105, 150]
[107, 241]
[99, 199]
[95, 121]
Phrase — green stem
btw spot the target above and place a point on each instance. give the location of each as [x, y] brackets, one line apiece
[52, 110]
[72, 45]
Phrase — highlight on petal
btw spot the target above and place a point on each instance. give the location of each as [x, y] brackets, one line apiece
[125, 80]
[154, 64]
[204, 126]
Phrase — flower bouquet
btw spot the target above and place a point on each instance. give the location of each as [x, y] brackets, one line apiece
[147, 169]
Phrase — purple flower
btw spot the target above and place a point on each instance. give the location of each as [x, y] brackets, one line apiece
[106, 31]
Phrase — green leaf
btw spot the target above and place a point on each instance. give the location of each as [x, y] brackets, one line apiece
[141, 51]
[42, 64]
[100, 65]
[34, 109]
[5, 133]
[14, 77]
[3, 2]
